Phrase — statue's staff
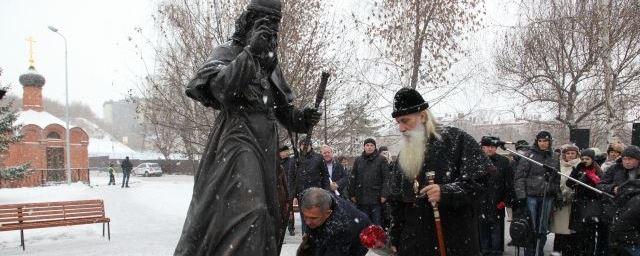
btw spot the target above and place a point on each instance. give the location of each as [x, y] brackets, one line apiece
[307, 247]
[436, 215]
[324, 79]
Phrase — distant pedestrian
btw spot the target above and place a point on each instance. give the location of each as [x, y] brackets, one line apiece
[369, 186]
[126, 171]
[112, 178]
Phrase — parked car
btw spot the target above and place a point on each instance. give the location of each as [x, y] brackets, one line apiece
[147, 169]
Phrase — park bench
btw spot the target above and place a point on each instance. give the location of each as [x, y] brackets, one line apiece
[52, 214]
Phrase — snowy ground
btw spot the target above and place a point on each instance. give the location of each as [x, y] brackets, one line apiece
[146, 219]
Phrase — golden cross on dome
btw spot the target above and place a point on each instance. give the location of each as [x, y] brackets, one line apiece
[31, 41]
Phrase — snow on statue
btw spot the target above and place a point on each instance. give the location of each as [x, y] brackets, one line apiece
[239, 196]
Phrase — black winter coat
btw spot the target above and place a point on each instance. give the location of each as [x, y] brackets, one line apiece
[587, 204]
[529, 179]
[369, 179]
[312, 173]
[615, 176]
[126, 166]
[625, 230]
[497, 190]
[289, 165]
[460, 168]
[340, 234]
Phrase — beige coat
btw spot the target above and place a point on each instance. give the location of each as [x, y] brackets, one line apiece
[562, 214]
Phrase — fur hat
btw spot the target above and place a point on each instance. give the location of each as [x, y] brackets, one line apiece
[369, 140]
[632, 151]
[588, 152]
[408, 101]
[305, 141]
[544, 135]
[569, 147]
[522, 145]
[616, 146]
[489, 141]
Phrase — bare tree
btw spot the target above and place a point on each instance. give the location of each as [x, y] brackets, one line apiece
[549, 61]
[188, 30]
[577, 60]
[420, 39]
[620, 53]
[163, 137]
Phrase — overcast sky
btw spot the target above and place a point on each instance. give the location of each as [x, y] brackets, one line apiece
[103, 64]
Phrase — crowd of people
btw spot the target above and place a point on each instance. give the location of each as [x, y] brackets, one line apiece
[444, 193]
[477, 189]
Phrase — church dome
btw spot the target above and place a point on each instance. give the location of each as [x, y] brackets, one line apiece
[32, 78]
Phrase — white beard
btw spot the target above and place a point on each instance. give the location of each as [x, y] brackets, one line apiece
[412, 151]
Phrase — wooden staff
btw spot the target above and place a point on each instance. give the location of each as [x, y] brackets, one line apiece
[436, 215]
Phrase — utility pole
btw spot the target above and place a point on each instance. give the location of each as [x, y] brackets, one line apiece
[325, 122]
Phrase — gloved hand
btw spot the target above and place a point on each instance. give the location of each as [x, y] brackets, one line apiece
[549, 169]
[593, 178]
[311, 116]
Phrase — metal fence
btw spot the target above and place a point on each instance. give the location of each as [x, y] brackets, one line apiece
[47, 177]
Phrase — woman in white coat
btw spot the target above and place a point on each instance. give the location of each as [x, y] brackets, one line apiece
[561, 216]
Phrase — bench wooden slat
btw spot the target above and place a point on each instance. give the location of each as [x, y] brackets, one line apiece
[60, 207]
[9, 220]
[84, 206]
[59, 223]
[10, 210]
[32, 209]
[61, 216]
[47, 204]
[14, 217]
[38, 213]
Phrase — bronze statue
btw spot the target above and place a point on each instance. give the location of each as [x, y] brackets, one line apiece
[238, 205]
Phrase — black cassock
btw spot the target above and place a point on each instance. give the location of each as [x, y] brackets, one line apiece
[239, 196]
[460, 168]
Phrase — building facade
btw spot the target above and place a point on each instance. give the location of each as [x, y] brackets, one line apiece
[43, 141]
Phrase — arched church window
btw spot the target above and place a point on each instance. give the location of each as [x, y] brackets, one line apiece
[53, 135]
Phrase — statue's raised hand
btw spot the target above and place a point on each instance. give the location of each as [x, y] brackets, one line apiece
[311, 116]
[263, 38]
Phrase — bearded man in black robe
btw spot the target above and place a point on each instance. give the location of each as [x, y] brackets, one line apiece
[239, 200]
[460, 169]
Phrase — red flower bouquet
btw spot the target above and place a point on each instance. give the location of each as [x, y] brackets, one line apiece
[375, 239]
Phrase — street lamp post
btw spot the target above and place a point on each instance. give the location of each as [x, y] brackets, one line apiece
[66, 106]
